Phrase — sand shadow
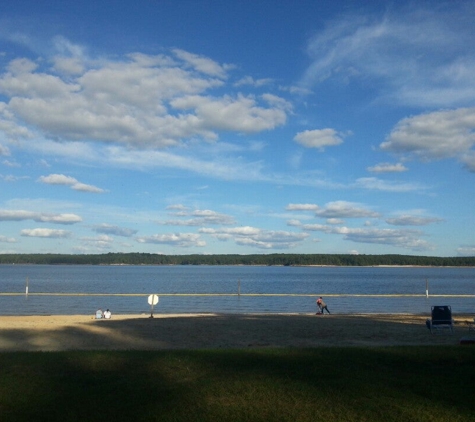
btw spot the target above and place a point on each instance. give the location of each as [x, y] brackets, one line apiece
[229, 331]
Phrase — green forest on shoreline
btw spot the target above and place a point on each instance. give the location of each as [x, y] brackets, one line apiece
[236, 259]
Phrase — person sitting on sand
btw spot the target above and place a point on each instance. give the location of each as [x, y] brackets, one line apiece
[99, 314]
[322, 305]
[107, 314]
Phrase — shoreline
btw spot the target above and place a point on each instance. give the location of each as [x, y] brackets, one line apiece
[221, 331]
[239, 265]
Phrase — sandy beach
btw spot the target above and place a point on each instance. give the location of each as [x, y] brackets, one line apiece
[214, 331]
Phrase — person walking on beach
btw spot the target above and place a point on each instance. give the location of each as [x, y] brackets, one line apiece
[322, 305]
[319, 306]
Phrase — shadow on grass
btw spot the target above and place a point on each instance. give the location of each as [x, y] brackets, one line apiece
[391, 384]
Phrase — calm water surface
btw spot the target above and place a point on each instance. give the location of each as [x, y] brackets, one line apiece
[333, 283]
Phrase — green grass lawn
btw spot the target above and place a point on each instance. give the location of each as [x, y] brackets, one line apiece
[324, 384]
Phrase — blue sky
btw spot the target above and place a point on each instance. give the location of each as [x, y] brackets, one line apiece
[183, 127]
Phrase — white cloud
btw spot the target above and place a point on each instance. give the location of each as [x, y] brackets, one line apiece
[9, 163]
[46, 233]
[252, 236]
[60, 218]
[318, 138]
[176, 207]
[21, 215]
[147, 110]
[436, 135]
[412, 220]
[5, 239]
[61, 179]
[374, 183]
[200, 217]
[203, 64]
[100, 242]
[408, 239]
[344, 209]
[114, 230]
[334, 212]
[335, 221]
[404, 238]
[19, 66]
[68, 65]
[249, 80]
[5, 151]
[241, 114]
[82, 187]
[175, 239]
[302, 207]
[296, 90]
[12, 178]
[57, 179]
[66, 47]
[387, 168]
[469, 161]
[466, 251]
[33, 89]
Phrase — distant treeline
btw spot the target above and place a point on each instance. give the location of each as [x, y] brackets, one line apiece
[270, 259]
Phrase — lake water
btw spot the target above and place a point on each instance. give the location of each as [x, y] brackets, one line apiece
[190, 289]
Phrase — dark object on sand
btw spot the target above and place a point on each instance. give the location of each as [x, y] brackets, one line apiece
[441, 318]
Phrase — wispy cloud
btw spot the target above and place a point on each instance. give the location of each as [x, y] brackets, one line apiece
[5, 151]
[416, 58]
[387, 168]
[373, 183]
[12, 178]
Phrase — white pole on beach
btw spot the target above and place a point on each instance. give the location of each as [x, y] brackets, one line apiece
[26, 290]
[427, 289]
[152, 300]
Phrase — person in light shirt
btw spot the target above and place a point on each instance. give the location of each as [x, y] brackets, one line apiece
[107, 314]
[322, 306]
